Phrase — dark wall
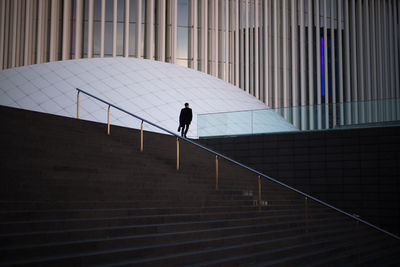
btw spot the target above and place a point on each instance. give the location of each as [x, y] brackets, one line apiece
[356, 170]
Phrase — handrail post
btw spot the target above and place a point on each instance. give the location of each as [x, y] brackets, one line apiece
[141, 137]
[108, 120]
[77, 105]
[177, 154]
[306, 213]
[259, 193]
[216, 173]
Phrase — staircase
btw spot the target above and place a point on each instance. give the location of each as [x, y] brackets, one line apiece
[70, 196]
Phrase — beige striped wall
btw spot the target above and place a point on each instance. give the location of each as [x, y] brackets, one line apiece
[267, 48]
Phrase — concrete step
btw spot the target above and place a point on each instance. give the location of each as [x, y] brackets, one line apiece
[65, 213]
[312, 251]
[140, 240]
[370, 252]
[277, 247]
[278, 221]
[146, 253]
[81, 223]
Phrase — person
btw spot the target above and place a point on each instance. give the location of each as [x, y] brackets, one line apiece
[185, 118]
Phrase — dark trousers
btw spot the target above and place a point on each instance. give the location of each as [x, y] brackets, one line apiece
[184, 129]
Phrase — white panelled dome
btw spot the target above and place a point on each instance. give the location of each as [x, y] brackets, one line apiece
[151, 89]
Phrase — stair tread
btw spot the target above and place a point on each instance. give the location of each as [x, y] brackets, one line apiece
[257, 243]
[225, 220]
[130, 249]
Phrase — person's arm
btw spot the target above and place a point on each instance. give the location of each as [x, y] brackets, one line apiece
[191, 115]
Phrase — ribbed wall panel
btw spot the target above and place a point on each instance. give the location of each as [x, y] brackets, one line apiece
[2, 31]
[160, 30]
[126, 28]
[285, 29]
[149, 29]
[396, 33]
[278, 51]
[90, 28]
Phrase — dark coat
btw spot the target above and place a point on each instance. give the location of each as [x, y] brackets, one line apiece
[186, 116]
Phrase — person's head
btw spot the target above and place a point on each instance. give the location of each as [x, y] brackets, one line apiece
[186, 105]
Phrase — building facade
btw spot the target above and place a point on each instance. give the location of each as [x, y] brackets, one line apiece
[287, 53]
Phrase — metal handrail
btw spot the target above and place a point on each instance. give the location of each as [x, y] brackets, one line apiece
[307, 196]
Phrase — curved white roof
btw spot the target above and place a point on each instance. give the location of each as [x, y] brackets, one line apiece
[151, 89]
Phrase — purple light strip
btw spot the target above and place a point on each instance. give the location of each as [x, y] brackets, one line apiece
[322, 67]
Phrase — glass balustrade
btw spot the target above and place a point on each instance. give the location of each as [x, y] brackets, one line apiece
[384, 112]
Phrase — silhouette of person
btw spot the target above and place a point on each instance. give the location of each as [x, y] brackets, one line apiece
[185, 118]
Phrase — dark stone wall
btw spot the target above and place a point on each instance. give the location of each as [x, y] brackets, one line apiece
[356, 170]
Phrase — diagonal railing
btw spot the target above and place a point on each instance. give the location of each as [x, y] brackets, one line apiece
[218, 155]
